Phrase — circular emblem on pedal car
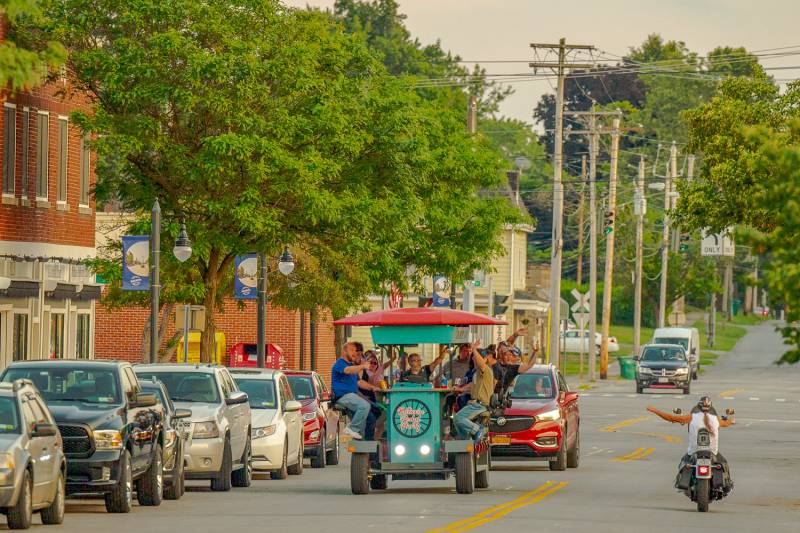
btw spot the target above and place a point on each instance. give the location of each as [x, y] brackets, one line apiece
[501, 421]
[411, 418]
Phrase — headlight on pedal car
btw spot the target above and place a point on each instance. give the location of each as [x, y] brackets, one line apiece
[553, 415]
[259, 433]
[205, 430]
[107, 439]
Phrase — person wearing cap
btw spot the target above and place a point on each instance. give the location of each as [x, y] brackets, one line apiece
[482, 386]
[508, 370]
[702, 416]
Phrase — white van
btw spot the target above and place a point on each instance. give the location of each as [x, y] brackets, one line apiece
[689, 338]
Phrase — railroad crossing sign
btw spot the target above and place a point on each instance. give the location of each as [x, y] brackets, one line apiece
[581, 320]
[581, 303]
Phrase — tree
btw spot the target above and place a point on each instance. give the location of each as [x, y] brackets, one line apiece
[265, 126]
[25, 60]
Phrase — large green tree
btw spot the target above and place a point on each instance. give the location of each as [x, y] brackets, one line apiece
[25, 59]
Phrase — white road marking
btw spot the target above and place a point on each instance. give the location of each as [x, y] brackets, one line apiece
[780, 399]
[754, 399]
[728, 398]
[601, 450]
[607, 395]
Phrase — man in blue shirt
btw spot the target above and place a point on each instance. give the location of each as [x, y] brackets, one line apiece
[345, 382]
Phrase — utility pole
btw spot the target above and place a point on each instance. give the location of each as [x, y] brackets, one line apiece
[467, 296]
[560, 68]
[609, 270]
[640, 207]
[261, 315]
[579, 276]
[726, 289]
[662, 301]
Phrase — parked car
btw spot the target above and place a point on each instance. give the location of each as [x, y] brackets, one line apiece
[320, 420]
[572, 341]
[689, 338]
[277, 421]
[543, 422]
[174, 441]
[33, 468]
[218, 432]
[663, 366]
[111, 429]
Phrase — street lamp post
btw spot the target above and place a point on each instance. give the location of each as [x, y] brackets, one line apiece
[182, 251]
[286, 267]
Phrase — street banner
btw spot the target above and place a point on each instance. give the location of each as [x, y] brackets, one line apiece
[441, 291]
[245, 278]
[135, 263]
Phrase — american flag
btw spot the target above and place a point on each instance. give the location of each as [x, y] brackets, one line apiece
[395, 297]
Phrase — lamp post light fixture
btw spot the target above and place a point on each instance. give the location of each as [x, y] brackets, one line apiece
[182, 251]
[286, 267]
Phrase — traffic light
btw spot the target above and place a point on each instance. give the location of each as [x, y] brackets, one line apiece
[683, 244]
[499, 308]
[609, 226]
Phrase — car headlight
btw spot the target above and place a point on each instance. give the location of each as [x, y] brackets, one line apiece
[170, 438]
[308, 417]
[6, 461]
[107, 439]
[555, 414]
[260, 433]
[645, 370]
[682, 371]
[205, 430]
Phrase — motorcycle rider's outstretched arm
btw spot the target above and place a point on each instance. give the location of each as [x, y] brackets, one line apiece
[675, 419]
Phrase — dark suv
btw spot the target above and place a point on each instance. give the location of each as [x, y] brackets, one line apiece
[112, 431]
[663, 366]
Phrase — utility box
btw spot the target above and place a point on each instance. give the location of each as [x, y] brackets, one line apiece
[245, 355]
[217, 357]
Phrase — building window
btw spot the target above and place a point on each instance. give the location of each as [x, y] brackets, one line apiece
[42, 151]
[86, 160]
[26, 140]
[57, 336]
[82, 336]
[20, 340]
[61, 189]
[9, 148]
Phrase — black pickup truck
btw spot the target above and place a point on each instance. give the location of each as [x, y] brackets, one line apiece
[112, 431]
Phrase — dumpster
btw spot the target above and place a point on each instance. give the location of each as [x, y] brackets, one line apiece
[194, 348]
[627, 367]
[245, 355]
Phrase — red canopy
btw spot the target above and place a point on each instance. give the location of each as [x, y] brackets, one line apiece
[420, 316]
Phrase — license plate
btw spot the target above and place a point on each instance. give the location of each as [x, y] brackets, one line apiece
[704, 462]
[185, 427]
[663, 380]
[501, 440]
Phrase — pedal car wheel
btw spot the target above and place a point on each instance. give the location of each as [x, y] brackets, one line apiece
[359, 473]
[465, 473]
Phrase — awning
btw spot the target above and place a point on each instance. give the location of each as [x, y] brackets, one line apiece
[22, 289]
[527, 301]
[63, 291]
[420, 316]
[89, 292]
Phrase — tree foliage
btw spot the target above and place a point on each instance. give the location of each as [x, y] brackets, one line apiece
[25, 59]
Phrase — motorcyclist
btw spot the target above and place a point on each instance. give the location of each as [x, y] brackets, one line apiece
[702, 416]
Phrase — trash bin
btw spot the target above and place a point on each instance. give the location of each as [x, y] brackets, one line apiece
[627, 367]
[736, 304]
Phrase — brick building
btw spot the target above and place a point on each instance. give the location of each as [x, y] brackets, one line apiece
[47, 297]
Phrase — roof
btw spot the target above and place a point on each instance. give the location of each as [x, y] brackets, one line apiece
[299, 372]
[175, 367]
[540, 369]
[258, 373]
[419, 316]
[662, 345]
[91, 363]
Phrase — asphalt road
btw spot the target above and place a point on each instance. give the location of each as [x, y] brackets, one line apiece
[624, 482]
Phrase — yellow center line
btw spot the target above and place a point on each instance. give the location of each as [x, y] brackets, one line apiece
[490, 510]
[730, 392]
[537, 497]
[673, 439]
[639, 453]
[624, 424]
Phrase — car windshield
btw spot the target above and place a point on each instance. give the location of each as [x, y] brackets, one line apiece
[533, 387]
[680, 341]
[663, 354]
[260, 392]
[71, 385]
[9, 420]
[186, 386]
[301, 387]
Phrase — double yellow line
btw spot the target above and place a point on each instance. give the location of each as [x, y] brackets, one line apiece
[499, 511]
[639, 453]
[625, 423]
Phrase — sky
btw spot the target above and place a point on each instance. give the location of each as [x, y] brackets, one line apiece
[492, 30]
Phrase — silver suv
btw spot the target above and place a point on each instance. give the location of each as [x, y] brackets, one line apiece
[218, 432]
[32, 463]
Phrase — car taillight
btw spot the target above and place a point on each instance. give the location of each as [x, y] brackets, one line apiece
[702, 470]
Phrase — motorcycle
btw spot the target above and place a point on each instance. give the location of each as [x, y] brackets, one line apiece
[706, 477]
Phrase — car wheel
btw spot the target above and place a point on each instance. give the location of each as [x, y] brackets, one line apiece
[244, 476]
[465, 473]
[54, 514]
[359, 473]
[222, 481]
[20, 516]
[150, 489]
[175, 490]
[694, 375]
[120, 499]
[297, 468]
[560, 462]
[574, 455]
[332, 457]
[639, 388]
[283, 471]
[687, 388]
[318, 459]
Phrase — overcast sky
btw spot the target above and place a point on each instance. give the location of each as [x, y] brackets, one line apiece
[485, 30]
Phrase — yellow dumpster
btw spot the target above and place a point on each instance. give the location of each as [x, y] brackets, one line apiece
[194, 348]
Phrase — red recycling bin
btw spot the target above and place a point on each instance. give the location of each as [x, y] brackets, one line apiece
[245, 355]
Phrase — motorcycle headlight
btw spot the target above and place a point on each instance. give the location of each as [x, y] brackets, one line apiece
[555, 414]
[308, 417]
[205, 430]
[107, 439]
[260, 433]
